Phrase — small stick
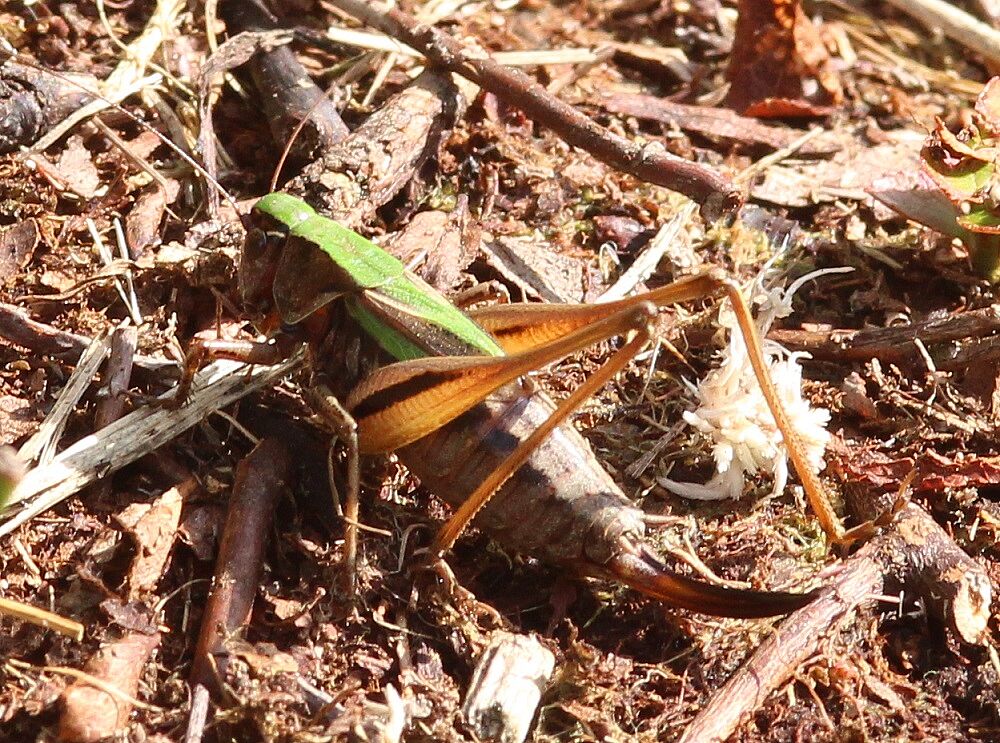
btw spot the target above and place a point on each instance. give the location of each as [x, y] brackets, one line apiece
[956, 24]
[18, 328]
[34, 615]
[199, 714]
[506, 687]
[715, 193]
[782, 653]
[260, 479]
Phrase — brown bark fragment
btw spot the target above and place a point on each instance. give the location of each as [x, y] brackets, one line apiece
[260, 479]
[358, 175]
[92, 714]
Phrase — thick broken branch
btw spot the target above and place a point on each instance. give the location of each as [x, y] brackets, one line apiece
[915, 554]
[363, 172]
[287, 93]
[894, 345]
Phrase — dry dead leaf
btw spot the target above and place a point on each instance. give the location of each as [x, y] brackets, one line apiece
[142, 225]
[17, 246]
[17, 419]
[779, 66]
[76, 168]
[848, 174]
[153, 527]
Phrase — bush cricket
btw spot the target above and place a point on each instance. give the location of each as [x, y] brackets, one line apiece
[448, 400]
[449, 403]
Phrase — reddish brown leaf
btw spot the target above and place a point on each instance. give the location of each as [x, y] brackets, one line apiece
[17, 245]
[785, 108]
[934, 471]
[778, 54]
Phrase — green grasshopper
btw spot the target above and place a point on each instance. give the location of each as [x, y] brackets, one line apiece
[449, 403]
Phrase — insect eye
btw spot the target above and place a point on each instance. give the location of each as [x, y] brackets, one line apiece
[255, 243]
[258, 262]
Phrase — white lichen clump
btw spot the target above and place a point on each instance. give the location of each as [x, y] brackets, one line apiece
[732, 411]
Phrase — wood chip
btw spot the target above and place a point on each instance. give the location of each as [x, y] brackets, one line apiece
[532, 266]
[506, 687]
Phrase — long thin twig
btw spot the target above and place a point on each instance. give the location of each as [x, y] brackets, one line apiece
[715, 193]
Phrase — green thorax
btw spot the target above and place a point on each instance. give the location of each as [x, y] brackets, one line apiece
[404, 315]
